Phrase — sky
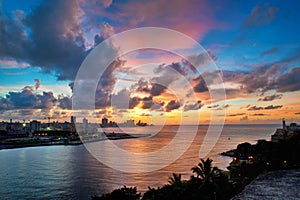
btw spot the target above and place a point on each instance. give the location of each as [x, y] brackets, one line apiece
[255, 46]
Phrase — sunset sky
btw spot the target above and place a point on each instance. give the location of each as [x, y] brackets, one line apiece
[254, 44]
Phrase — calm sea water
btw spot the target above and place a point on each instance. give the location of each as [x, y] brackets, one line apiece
[71, 172]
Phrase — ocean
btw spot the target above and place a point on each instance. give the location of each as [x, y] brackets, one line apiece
[73, 172]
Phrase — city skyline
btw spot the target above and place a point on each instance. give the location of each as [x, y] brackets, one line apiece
[255, 45]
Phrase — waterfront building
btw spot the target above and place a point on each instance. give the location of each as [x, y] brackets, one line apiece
[285, 132]
[84, 124]
[73, 120]
[104, 122]
[34, 125]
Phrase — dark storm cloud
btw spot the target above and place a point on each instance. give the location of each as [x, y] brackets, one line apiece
[200, 85]
[133, 102]
[168, 74]
[55, 41]
[142, 86]
[158, 85]
[261, 79]
[273, 76]
[271, 97]
[195, 106]
[157, 89]
[27, 99]
[106, 85]
[289, 81]
[65, 102]
[147, 102]
[206, 79]
[172, 105]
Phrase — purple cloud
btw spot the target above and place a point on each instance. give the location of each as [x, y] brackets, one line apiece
[195, 106]
[172, 105]
[271, 97]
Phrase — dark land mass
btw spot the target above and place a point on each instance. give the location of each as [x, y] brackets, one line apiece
[208, 182]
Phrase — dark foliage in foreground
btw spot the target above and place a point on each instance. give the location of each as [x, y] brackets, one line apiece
[124, 193]
[209, 182]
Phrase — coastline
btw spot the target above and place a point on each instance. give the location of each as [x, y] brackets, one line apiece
[36, 143]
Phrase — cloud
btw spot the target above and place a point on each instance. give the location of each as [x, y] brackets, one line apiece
[142, 86]
[37, 83]
[272, 76]
[172, 105]
[145, 115]
[134, 14]
[133, 102]
[196, 106]
[26, 99]
[298, 113]
[107, 3]
[200, 85]
[244, 119]
[121, 99]
[50, 37]
[168, 75]
[147, 102]
[106, 85]
[218, 107]
[237, 114]
[260, 16]
[159, 84]
[255, 108]
[213, 106]
[269, 51]
[65, 102]
[270, 107]
[259, 114]
[271, 97]
[55, 41]
[157, 89]
[289, 81]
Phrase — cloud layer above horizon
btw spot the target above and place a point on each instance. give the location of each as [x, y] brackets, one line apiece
[255, 45]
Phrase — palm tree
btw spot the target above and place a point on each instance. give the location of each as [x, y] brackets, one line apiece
[176, 178]
[204, 170]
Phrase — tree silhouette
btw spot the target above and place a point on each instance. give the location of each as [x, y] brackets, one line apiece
[204, 170]
[175, 179]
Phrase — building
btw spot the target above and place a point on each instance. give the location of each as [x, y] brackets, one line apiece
[85, 124]
[34, 126]
[104, 122]
[73, 120]
[285, 132]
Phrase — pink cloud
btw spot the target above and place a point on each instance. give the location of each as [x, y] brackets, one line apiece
[193, 18]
